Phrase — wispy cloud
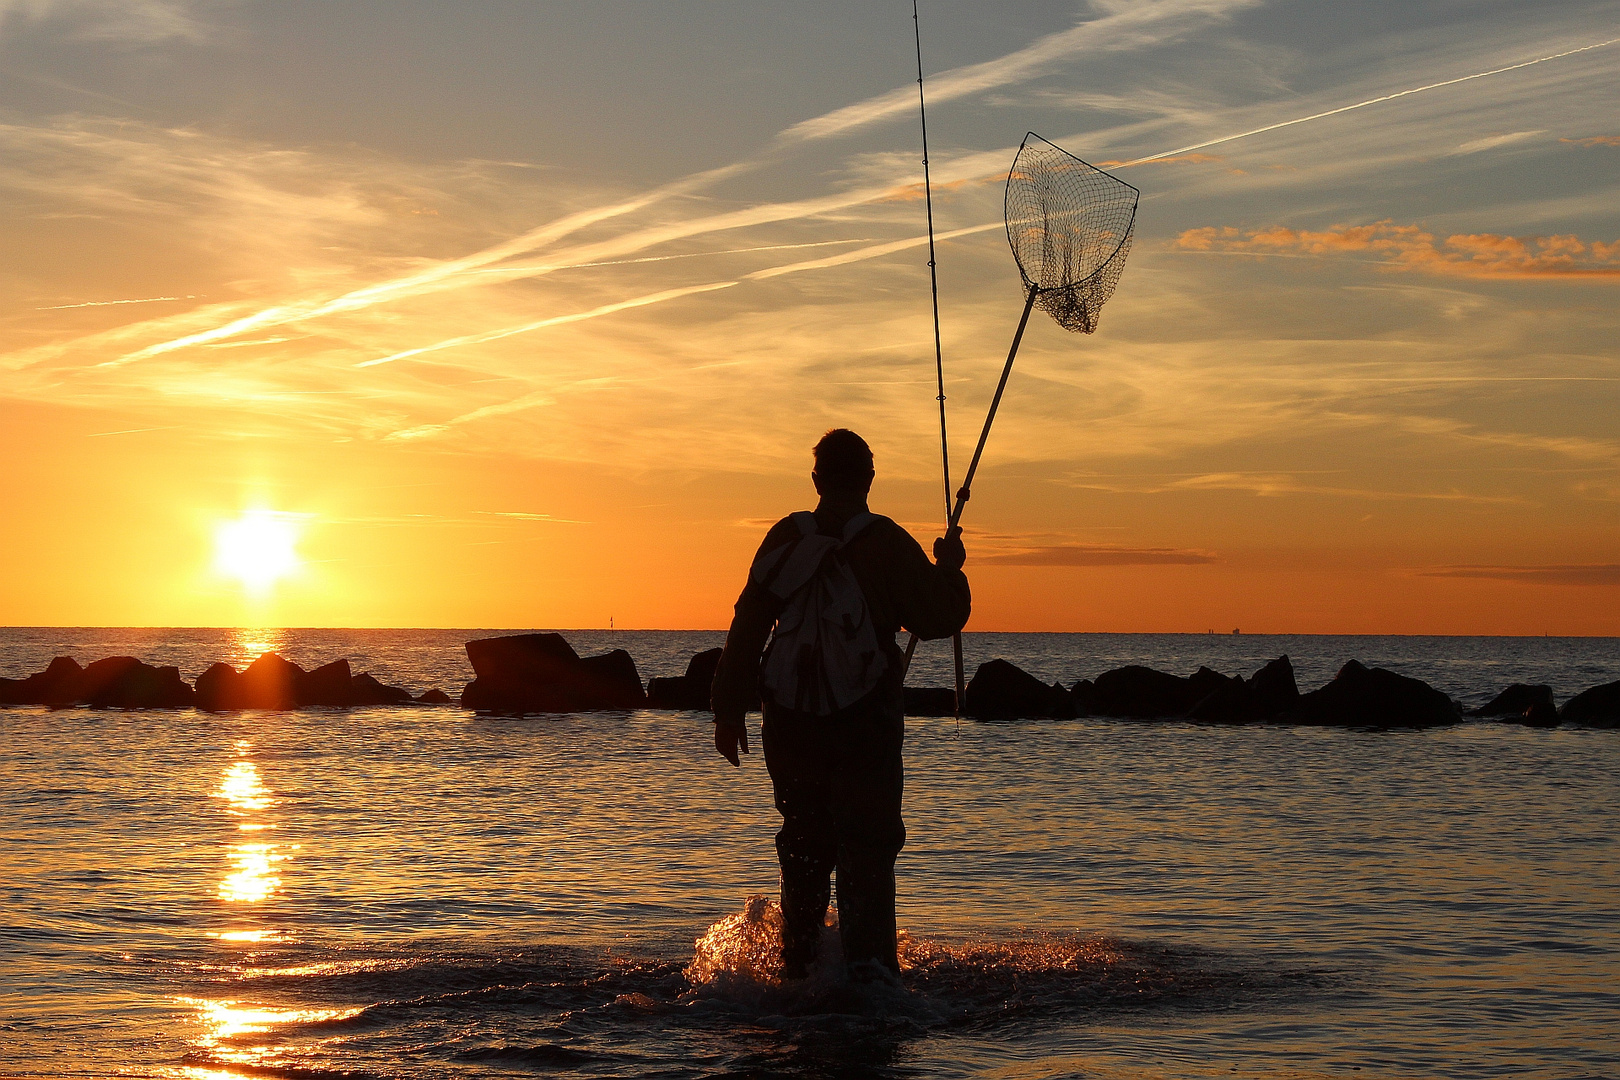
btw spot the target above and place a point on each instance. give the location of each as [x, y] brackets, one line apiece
[1122, 26]
[1410, 247]
[130, 21]
[1566, 574]
[1094, 555]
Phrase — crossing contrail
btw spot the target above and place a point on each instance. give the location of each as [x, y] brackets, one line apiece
[1364, 104]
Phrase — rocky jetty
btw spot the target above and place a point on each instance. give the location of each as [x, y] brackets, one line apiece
[688, 691]
[273, 682]
[116, 682]
[541, 673]
[1003, 691]
[1597, 707]
[1360, 696]
[1521, 703]
[270, 682]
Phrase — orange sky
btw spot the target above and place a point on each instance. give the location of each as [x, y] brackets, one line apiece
[548, 367]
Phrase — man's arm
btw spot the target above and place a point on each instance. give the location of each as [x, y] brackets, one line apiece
[736, 680]
[932, 596]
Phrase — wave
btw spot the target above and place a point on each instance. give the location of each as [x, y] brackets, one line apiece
[352, 1012]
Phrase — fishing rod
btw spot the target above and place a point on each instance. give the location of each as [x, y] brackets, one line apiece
[939, 352]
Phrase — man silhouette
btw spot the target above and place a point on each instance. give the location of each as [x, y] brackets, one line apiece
[837, 777]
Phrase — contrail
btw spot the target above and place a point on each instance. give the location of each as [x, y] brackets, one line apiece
[872, 252]
[1364, 104]
[548, 267]
[111, 303]
[556, 320]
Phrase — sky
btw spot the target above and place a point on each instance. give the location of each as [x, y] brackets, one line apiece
[513, 314]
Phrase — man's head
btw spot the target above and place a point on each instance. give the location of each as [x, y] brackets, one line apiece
[843, 463]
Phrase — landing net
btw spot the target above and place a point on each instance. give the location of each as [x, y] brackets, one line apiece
[1070, 226]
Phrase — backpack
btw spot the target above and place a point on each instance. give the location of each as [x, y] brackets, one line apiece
[824, 653]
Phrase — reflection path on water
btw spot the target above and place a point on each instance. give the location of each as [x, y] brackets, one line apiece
[418, 895]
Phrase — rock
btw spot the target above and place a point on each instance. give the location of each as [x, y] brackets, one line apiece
[688, 691]
[124, 682]
[542, 673]
[113, 682]
[611, 681]
[367, 690]
[1526, 704]
[217, 688]
[1597, 707]
[1233, 701]
[1002, 691]
[270, 682]
[61, 683]
[929, 700]
[1272, 689]
[1141, 693]
[1083, 696]
[330, 684]
[433, 697]
[1373, 697]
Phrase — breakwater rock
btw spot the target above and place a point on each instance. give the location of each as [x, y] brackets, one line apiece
[113, 682]
[270, 682]
[1532, 705]
[541, 673]
[1597, 707]
[688, 691]
[1357, 696]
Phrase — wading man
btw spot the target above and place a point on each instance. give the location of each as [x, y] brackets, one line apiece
[831, 589]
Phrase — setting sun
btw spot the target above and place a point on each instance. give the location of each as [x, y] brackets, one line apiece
[258, 549]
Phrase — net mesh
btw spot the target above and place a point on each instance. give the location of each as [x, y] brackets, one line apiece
[1070, 226]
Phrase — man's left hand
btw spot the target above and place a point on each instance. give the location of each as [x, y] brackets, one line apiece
[730, 736]
[948, 550]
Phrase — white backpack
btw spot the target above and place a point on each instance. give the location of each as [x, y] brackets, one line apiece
[824, 654]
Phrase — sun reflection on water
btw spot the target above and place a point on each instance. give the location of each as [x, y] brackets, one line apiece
[226, 1023]
[252, 877]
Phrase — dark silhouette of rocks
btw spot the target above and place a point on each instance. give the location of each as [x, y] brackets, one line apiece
[1360, 696]
[275, 683]
[1141, 693]
[1522, 703]
[433, 697]
[688, 691]
[525, 673]
[116, 682]
[1268, 694]
[58, 684]
[1597, 707]
[1273, 689]
[929, 700]
[1003, 691]
[123, 682]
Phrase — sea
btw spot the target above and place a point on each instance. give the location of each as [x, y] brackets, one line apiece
[423, 892]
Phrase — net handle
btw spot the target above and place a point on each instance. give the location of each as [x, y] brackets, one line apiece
[966, 491]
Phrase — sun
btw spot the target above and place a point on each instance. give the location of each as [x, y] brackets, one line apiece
[258, 549]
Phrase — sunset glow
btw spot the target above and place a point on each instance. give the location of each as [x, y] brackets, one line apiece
[258, 549]
[1359, 374]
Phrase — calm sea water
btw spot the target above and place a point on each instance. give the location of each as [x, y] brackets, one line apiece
[427, 893]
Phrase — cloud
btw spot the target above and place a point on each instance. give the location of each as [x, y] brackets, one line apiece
[1595, 140]
[130, 21]
[1123, 26]
[1094, 555]
[1566, 574]
[1491, 142]
[1410, 247]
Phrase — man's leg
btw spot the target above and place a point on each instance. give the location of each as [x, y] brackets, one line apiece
[867, 783]
[807, 845]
